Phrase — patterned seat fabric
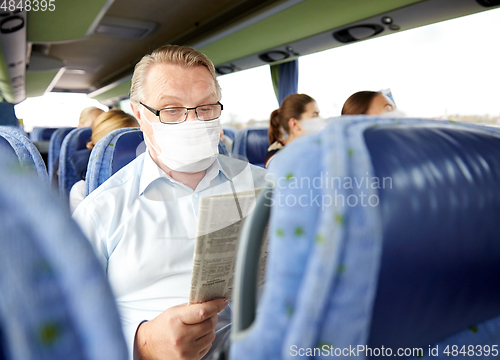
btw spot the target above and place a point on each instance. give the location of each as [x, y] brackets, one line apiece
[55, 301]
[384, 232]
[251, 145]
[75, 140]
[26, 152]
[114, 151]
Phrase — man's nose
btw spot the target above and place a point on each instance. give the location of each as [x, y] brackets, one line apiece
[191, 115]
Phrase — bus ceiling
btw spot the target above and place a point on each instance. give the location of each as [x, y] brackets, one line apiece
[92, 46]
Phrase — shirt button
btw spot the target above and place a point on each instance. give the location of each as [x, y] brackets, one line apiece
[195, 195]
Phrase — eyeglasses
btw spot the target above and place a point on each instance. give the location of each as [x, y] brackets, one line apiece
[176, 115]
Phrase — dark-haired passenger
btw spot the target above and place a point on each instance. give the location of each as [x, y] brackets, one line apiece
[367, 103]
[297, 116]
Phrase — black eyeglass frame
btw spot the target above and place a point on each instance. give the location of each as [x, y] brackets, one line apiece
[157, 112]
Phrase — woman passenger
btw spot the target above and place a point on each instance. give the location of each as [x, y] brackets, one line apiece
[103, 124]
[297, 116]
[367, 103]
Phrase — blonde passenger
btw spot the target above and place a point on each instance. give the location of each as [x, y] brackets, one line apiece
[105, 123]
[297, 116]
[88, 116]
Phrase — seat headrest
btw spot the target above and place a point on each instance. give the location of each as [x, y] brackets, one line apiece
[127, 148]
[83, 137]
[251, 144]
[440, 218]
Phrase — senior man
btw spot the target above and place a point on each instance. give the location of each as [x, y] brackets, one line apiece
[142, 221]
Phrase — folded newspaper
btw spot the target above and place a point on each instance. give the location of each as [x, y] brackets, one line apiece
[220, 219]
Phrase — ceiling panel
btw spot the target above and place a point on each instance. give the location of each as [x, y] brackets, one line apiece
[68, 20]
[175, 20]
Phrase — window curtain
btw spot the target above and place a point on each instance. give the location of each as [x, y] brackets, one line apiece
[285, 77]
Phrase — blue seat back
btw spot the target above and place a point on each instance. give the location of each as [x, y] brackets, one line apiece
[55, 301]
[114, 151]
[251, 145]
[41, 134]
[384, 232]
[6, 148]
[55, 143]
[111, 153]
[8, 115]
[440, 226]
[26, 152]
[230, 132]
[75, 140]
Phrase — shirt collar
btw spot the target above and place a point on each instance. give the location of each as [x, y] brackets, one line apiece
[152, 172]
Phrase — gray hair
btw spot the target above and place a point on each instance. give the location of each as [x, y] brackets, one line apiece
[173, 54]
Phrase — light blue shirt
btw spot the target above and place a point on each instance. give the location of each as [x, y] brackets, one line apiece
[142, 225]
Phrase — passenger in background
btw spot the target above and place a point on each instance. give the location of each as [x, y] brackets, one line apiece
[105, 123]
[367, 103]
[88, 115]
[297, 116]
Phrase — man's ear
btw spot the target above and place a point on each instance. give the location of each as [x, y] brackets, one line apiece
[137, 113]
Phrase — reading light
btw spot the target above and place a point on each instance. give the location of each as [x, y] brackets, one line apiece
[225, 69]
[275, 55]
[357, 32]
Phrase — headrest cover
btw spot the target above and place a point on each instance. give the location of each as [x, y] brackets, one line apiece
[440, 217]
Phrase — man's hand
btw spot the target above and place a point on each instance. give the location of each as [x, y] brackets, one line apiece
[182, 332]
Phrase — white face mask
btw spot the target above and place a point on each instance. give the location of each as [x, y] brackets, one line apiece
[191, 146]
[312, 125]
[393, 114]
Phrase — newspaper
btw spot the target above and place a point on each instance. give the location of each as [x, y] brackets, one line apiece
[220, 219]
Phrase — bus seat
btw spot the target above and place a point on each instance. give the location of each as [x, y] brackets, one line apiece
[17, 129]
[7, 114]
[111, 153]
[41, 133]
[230, 132]
[6, 148]
[383, 232]
[55, 301]
[114, 151]
[75, 140]
[56, 140]
[251, 145]
[26, 152]
[223, 149]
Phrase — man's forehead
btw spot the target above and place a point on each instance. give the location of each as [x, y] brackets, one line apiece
[166, 71]
[177, 78]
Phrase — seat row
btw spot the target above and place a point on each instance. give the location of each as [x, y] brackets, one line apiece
[250, 144]
[355, 266]
[121, 146]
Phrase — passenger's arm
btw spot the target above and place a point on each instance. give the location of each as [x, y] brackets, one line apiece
[182, 332]
[76, 195]
[89, 226]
